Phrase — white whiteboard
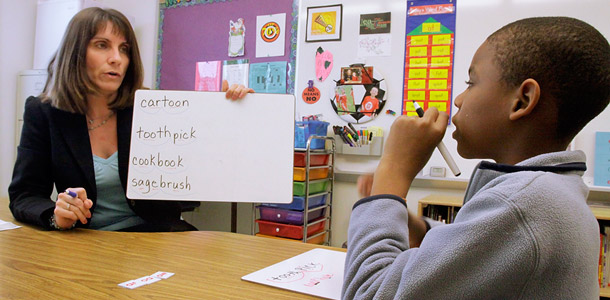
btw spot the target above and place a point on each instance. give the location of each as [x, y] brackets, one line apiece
[199, 146]
[475, 20]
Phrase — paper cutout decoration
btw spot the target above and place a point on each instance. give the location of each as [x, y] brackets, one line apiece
[237, 37]
[324, 63]
[270, 35]
[207, 76]
[361, 96]
[311, 94]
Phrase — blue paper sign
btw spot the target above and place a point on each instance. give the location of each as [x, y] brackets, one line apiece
[269, 77]
[602, 159]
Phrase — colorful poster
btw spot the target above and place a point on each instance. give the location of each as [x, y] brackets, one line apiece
[602, 159]
[271, 34]
[375, 23]
[207, 77]
[236, 71]
[237, 37]
[429, 55]
[268, 77]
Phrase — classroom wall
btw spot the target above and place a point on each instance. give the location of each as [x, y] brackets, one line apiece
[17, 27]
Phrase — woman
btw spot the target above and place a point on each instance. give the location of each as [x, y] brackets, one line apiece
[76, 135]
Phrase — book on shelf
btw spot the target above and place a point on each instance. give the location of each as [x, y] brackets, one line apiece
[604, 255]
[441, 213]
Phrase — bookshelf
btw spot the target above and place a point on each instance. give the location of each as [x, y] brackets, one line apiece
[600, 213]
[445, 207]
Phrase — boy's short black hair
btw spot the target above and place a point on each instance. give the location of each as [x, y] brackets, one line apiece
[568, 58]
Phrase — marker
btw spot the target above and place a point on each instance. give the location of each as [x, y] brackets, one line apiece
[71, 193]
[353, 133]
[338, 132]
[345, 135]
[351, 127]
[352, 139]
[441, 146]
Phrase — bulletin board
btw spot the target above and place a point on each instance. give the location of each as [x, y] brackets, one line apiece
[198, 30]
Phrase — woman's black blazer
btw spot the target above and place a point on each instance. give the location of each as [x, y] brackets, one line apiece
[55, 149]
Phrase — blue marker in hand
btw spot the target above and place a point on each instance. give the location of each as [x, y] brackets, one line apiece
[71, 193]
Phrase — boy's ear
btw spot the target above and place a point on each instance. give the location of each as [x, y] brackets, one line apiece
[527, 98]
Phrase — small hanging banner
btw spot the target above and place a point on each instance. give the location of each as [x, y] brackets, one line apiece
[429, 55]
[311, 94]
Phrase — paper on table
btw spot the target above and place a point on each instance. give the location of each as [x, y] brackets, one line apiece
[7, 225]
[317, 272]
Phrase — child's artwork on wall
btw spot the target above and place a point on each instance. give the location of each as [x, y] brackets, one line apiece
[429, 55]
[324, 63]
[237, 37]
[317, 272]
[207, 76]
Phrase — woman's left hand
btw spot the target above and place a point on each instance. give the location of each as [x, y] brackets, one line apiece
[236, 91]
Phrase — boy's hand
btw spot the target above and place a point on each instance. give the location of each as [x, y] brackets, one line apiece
[235, 91]
[417, 226]
[365, 183]
[410, 144]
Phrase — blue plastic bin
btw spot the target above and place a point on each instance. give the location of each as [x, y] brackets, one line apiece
[287, 216]
[303, 130]
[298, 203]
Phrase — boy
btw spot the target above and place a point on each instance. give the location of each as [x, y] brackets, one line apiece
[525, 230]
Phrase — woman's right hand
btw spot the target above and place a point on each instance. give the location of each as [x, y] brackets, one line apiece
[70, 209]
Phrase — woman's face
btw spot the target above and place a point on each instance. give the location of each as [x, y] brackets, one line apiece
[107, 60]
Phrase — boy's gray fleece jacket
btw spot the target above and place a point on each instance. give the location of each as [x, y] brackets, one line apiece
[524, 232]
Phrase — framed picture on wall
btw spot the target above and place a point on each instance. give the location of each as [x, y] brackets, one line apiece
[324, 23]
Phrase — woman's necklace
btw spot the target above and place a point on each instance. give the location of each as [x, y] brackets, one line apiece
[104, 121]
